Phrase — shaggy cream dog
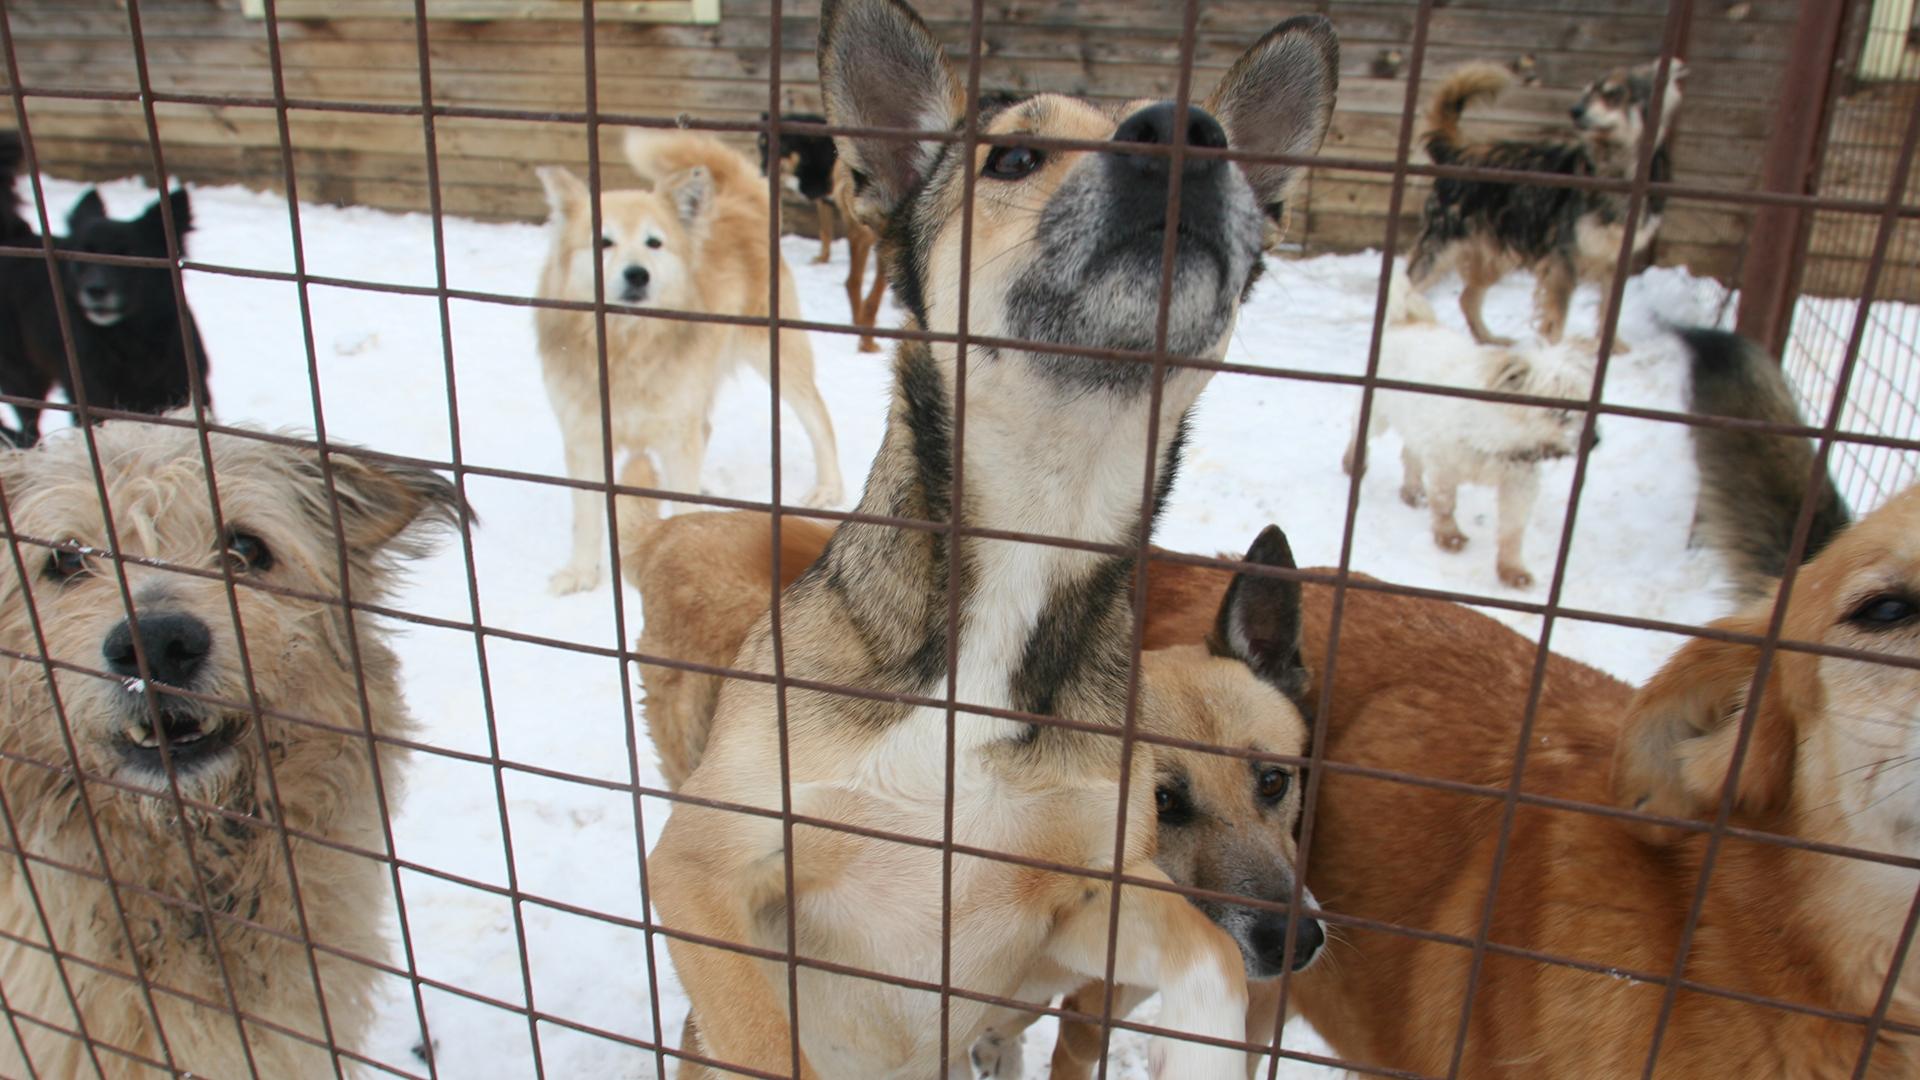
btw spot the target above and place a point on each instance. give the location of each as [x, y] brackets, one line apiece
[1449, 441]
[201, 900]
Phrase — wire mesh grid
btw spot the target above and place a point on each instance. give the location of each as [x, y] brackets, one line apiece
[1881, 213]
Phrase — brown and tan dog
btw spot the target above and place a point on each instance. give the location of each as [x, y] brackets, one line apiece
[1057, 442]
[1438, 690]
[1224, 824]
[862, 241]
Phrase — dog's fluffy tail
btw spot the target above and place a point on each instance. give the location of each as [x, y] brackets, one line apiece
[659, 155]
[1469, 83]
[13, 224]
[1752, 485]
[1405, 304]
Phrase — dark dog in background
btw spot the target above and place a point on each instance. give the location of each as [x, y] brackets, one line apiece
[806, 167]
[130, 335]
[1752, 483]
[1563, 235]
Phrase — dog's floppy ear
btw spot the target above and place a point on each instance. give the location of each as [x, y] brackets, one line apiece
[691, 191]
[565, 192]
[87, 211]
[1278, 99]
[1259, 619]
[380, 502]
[1678, 739]
[881, 67]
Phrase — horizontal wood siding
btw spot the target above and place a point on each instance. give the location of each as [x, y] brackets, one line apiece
[1108, 49]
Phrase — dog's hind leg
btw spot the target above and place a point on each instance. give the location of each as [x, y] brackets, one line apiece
[1519, 486]
[1375, 426]
[1441, 495]
[1165, 943]
[824, 209]
[1413, 471]
[870, 309]
[860, 241]
[797, 389]
[582, 571]
[1473, 297]
[1552, 293]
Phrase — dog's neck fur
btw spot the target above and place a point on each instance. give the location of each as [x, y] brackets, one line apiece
[1042, 628]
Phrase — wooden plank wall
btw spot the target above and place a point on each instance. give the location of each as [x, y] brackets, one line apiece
[1114, 49]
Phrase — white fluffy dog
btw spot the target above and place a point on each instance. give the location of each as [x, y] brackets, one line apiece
[1448, 441]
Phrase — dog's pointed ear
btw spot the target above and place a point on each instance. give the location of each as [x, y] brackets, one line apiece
[566, 194]
[88, 210]
[381, 503]
[1278, 99]
[1677, 743]
[1259, 619]
[179, 205]
[881, 67]
[691, 191]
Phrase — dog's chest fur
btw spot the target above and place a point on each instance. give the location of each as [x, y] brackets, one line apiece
[1043, 629]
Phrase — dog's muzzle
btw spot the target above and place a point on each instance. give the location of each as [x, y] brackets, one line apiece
[175, 646]
[102, 307]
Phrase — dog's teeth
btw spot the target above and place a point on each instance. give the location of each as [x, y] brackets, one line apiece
[143, 736]
[182, 740]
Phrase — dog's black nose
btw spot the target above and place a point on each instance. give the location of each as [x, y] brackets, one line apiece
[95, 292]
[176, 647]
[637, 276]
[1154, 125]
[1578, 112]
[1268, 939]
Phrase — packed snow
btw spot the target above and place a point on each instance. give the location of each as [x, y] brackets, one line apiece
[1264, 450]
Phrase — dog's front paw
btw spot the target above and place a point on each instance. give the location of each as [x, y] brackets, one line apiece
[1515, 576]
[821, 259]
[1414, 496]
[867, 344]
[998, 1057]
[572, 579]
[825, 497]
[1449, 539]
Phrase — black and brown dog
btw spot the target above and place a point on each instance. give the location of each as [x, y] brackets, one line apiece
[806, 167]
[1563, 235]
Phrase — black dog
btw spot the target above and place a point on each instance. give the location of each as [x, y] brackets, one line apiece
[130, 335]
[1486, 228]
[806, 166]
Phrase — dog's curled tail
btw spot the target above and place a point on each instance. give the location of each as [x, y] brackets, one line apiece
[659, 155]
[1752, 484]
[1406, 304]
[636, 517]
[1480, 81]
[13, 224]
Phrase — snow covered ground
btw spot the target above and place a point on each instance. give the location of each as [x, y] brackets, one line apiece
[1265, 450]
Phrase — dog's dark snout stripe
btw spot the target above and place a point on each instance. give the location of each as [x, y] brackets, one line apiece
[176, 647]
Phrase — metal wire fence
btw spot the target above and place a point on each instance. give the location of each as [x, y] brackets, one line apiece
[1853, 382]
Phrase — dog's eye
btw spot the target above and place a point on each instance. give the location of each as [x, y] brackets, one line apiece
[605, 242]
[1172, 805]
[1274, 783]
[66, 562]
[1883, 611]
[1011, 162]
[655, 242]
[248, 553]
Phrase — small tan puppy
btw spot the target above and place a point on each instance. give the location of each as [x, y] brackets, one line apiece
[1225, 824]
[696, 243]
[122, 731]
[1449, 441]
